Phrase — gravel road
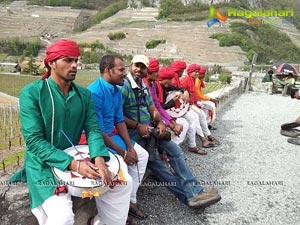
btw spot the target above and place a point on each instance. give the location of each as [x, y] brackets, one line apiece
[255, 169]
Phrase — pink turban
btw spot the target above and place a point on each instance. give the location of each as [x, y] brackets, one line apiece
[178, 66]
[60, 49]
[192, 68]
[202, 70]
[166, 73]
[153, 65]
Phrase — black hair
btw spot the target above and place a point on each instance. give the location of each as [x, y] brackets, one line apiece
[293, 92]
[108, 61]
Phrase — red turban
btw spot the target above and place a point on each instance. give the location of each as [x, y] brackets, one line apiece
[202, 70]
[166, 73]
[178, 66]
[153, 65]
[192, 68]
[60, 49]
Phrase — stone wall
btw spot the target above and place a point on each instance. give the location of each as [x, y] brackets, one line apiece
[15, 205]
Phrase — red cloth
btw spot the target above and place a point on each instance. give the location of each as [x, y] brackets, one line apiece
[60, 49]
[192, 68]
[82, 140]
[202, 70]
[178, 66]
[160, 93]
[166, 73]
[153, 65]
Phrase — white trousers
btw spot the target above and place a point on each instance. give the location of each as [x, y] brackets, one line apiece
[194, 128]
[202, 120]
[210, 111]
[137, 172]
[112, 206]
[185, 126]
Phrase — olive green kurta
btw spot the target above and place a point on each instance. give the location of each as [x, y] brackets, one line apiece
[72, 114]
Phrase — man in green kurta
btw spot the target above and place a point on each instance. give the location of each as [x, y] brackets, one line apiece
[48, 107]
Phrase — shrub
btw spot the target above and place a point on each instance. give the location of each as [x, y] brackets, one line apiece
[154, 43]
[225, 78]
[116, 36]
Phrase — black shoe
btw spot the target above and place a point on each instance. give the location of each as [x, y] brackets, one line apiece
[211, 127]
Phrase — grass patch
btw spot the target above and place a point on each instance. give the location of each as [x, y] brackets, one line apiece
[12, 84]
[12, 160]
[212, 86]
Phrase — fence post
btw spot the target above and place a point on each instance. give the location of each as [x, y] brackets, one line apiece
[3, 166]
[18, 160]
[9, 144]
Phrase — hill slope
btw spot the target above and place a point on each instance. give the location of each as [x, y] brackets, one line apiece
[184, 40]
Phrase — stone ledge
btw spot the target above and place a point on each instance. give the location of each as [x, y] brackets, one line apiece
[15, 205]
[228, 93]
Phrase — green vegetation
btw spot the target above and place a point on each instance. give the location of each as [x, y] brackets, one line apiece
[116, 36]
[12, 84]
[175, 10]
[270, 44]
[225, 78]
[153, 43]
[12, 160]
[78, 4]
[16, 47]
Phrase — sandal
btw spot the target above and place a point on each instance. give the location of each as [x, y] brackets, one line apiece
[131, 221]
[209, 145]
[198, 151]
[91, 220]
[135, 212]
[214, 141]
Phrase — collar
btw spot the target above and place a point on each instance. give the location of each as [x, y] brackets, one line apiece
[133, 83]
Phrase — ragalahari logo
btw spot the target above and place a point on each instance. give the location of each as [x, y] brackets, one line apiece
[215, 16]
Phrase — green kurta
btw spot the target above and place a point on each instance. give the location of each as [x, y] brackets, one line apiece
[72, 114]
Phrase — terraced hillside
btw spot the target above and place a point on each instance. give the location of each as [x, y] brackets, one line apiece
[184, 40]
[19, 19]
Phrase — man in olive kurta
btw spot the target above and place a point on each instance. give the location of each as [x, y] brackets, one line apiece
[48, 107]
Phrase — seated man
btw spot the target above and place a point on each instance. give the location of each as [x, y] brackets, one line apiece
[286, 82]
[268, 82]
[139, 112]
[108, 103]
[47, 107]
[207, 103]
[178, 125]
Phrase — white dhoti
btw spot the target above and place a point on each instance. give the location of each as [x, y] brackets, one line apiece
[202, 120]
[137, 172]
[185, 126]
[112, 206]
[210, 110]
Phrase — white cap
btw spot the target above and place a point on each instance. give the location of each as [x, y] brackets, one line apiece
[141, 59]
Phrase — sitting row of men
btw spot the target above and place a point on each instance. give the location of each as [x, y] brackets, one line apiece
[121, 113]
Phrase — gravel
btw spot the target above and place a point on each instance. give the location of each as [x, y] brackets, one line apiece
[255, 169]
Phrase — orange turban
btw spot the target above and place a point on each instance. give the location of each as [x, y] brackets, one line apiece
[192, 68]
[178, 66]
[60, 49]
[153, 65]
[166, 73]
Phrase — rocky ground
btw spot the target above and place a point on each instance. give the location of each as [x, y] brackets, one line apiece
[255, 169]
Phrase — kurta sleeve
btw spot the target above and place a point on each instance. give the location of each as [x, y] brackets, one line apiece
[199, 93]
[33, 131]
